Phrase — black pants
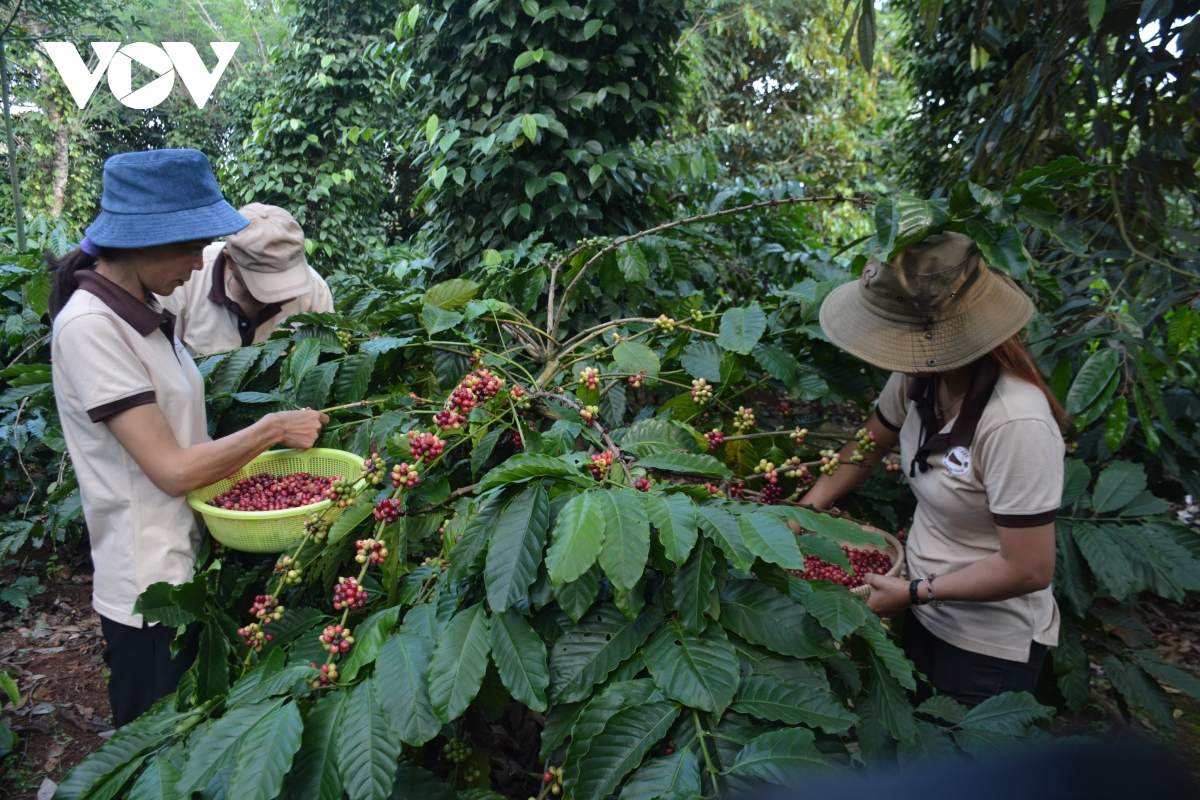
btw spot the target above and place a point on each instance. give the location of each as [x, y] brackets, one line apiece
[970, 678]
[140, 666]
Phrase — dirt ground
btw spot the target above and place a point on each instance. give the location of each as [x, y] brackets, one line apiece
[53, 649]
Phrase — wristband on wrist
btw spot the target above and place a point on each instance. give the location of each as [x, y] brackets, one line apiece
[933, 600]
[913, 595]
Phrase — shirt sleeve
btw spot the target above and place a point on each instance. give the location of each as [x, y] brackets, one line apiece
[105, 373]
[1021, 465]
[892, 407]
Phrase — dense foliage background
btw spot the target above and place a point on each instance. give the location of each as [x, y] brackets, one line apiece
[525, 187]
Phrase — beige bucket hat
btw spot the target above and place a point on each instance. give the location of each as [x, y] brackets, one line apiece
[936, 307]
[269, 254]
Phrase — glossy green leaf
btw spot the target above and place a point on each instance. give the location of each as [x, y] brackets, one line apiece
[367, 638]
[690, 587]
[516, 548]
[315, 774]
[466, 555]
[655, 436]
[577, 597]
[916, 218]
[1011, 712]
[793, 704]
[763, 616]
[769, 537]
[839, 610]
[1095, 13]
[632, 263]
[1117, 424]
[674, 517]
[366, 749]
[402, 675]
[450, 294]
[635, 357]
[722, 528]
[741, 328]
[676, 775]
[888, 652]
[700, 671]
[590, 650]
[214, 749]
[459, 662]
[1118, 484]
[626, 537]
[520, 658]
[780, 756]
[577, 539]
[266, 754]
[1093, 376]
[702, 359]
[157, 782]
[688, 463]
[527, 466]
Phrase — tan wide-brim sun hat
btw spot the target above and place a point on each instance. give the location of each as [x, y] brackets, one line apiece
[269, 254]
[936, 307]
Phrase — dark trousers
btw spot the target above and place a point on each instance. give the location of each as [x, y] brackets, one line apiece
[970, 678]
[141, 669]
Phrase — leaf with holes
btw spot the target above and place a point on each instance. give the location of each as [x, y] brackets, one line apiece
[520, 658]
[700, 671]
[593, 648]
[516, 548]
[459, 663]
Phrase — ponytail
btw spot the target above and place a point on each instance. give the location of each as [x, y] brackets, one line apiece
[62, 273]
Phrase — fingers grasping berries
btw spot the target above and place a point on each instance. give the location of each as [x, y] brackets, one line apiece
[590, 413]
[329, 674]
[348, 594]
[388, 510]
[336, 639]
[253, 636]
[702, 392]
[743, 419]
[715, 438]
[404, 475]
[591, 377]
[830, 461]
[371, 550]
[601, 463]
[424, 446]
[642, 484]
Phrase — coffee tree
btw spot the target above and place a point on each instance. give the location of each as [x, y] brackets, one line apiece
[566, 568]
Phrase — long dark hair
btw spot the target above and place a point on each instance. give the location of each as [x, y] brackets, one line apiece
[1012, 357]
[62, 274]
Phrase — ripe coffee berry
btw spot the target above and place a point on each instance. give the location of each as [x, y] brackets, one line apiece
[519, 397]
[424, 446]
[348, 594]
[771, 493]
[636, 380]
[370, 550]
[388, 510]
[601, 462]
[253, 637]
[336, 639]
[517, 442]
[404, 475]
[713, 489]
[715, 438]
[642, 484]
[862, 561]
[329, 674]
[590, 377]
[702, 393]
[449, 419]
[736, 489]
[267, 492]
[266, 607]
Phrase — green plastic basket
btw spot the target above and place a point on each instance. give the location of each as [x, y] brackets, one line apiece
[272, 531]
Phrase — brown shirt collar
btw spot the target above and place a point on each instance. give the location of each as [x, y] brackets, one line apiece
[218, 295]
[141, 316]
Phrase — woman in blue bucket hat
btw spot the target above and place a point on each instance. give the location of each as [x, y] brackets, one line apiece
[131, 403]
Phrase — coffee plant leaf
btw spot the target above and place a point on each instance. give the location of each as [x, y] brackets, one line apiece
[779, 363]
[898, 665]
[576, 597]
[1011, 712]
[367, 639]
[577, 539]
[649, 436]
[349, 520]
[780, 756]
[559, 722]
[674, 517]
[212, 664]
[1106, 558]
[1092, 378]
[315, 773]
[1072, 667]
[690, 587]
[626, 537]
[766, 697]
[450, 294]
[265, 755]
[435, 320]
[520, 657]
[516, 548]
[824, 549]
[839, 610]
[126, 746]
[632, 262]
[1076, 477]
[156, 604]
[769, 537]
[687, 463]
[635, 357]
[930, 742]
[415, 783]
[526, 467]
[366, 748]
[755, 660]
[354, 378]
[722, 528]
[216, 746]
[763, 616]
[590, 650]
[590, 720]
[459, 661]
[1138, 688]
[676, 775]
[1167, 673]
[402, 672]
[466, 555]
[741, 328]
[944, 708]
[700, 671]
[1118, 484]
[703, 360]
[157, 782]
[842, 531]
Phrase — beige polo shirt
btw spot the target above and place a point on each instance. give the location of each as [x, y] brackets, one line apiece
[1011, 475]
[111, 352]
[208, 321]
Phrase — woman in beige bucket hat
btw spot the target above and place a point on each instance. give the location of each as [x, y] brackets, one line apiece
[980, 441]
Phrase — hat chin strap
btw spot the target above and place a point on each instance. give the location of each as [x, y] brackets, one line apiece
[924, 392]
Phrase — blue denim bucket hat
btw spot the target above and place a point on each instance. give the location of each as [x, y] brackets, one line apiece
[155, 197]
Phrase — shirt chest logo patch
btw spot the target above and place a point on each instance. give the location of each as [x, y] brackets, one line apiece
[957, 460]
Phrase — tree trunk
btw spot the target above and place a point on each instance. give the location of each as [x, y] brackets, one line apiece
[60, 162]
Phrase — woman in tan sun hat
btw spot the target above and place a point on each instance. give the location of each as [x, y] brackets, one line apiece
[980, 441]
